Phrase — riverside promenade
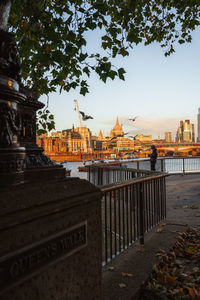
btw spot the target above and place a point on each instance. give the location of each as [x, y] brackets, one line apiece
[123, 276]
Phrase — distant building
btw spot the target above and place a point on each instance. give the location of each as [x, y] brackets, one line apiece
[124, 143]
[117, 129]
[56, 134]
[168, 137]
[96, 144]
[69, 140]
[77, 139]
[198, 126]
[143, 138]
[100, 135]
[185, 132]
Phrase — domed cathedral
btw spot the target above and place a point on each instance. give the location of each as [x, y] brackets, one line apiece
[117, 129]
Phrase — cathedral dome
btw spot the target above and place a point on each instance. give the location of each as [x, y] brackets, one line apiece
[117, 129]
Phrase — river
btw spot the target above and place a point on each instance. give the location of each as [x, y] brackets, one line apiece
[73, 166]
[171, 165]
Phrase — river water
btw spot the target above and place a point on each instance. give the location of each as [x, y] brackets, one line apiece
[189, 165]
[73, 166]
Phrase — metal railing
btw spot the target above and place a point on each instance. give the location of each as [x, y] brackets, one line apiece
[129, 210]
[101, 175]
[178, 165]
[172, 165]
[134, 198]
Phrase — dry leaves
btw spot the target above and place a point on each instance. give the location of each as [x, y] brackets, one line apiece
[194, 206]
[126, 274]
[122, 285]
[141, 249]
[177, 276]
[159, 230]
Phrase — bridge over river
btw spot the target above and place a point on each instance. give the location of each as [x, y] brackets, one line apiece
[178, 148]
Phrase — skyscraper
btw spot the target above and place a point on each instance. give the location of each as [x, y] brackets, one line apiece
[198, 126]
[168, 137]
[185, 132]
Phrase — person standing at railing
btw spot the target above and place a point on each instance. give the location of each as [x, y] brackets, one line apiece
[153, 158]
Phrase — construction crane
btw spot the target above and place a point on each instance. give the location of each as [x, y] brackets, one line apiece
[78, 112]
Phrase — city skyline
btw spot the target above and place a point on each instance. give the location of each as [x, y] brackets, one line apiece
[184, 132]
[161, 91]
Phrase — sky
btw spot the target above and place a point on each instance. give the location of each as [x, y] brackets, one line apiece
[160, 90]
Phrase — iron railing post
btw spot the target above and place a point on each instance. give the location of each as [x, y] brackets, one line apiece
[162, 167]
[183, 165]
[105, 229]
[141, 212]
[89, 174]
[138, 166]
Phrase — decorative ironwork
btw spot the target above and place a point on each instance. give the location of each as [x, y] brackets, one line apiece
[27, 129]
[4, 9]
[9, 56]
[38, 160]
[11, 166]
[19, 154]
[10, 124]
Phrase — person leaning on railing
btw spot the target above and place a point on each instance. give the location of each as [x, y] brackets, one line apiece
[153, 157]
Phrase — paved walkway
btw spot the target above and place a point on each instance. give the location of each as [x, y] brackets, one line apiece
[183, 209]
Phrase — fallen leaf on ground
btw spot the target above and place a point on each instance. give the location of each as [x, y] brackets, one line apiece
[163, 224]
[155, 268]
[111, 268]
[176, 231]
[159, 230]
[141, 249]
[185, 206]
[191, 292]
[126, 274]
[194, 206]
[190, 251]
[122, 285]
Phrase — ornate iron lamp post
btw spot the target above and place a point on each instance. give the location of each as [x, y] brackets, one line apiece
[20, 158]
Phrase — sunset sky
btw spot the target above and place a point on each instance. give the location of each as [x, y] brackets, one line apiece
[161, 91]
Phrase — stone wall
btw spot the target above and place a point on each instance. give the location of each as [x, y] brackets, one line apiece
[50, 241]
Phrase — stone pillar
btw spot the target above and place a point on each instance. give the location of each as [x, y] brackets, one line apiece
[51, 241]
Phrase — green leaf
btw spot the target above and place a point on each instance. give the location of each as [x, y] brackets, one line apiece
[112, 74]
[84, 90]
[121, 72]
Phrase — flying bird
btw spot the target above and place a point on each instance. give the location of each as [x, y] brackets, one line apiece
[113, 138]
[119, 135]
[85, 117]
[133, 137]
[133, 119]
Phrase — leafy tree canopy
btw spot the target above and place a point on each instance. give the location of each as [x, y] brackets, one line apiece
[51, 35]
[53, 46]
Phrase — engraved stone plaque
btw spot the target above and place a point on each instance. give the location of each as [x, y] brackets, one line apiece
[22, 264]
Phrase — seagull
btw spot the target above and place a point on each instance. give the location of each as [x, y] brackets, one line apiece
[133, 119]
[85, 117]
[119, 135]
[133, 137]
